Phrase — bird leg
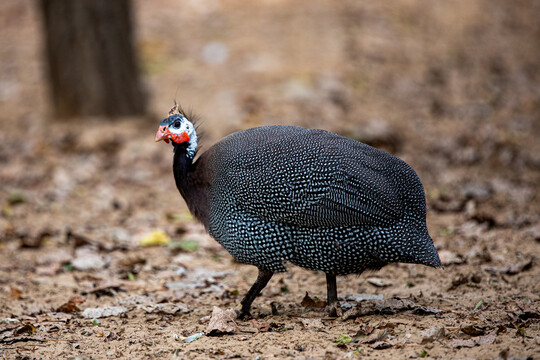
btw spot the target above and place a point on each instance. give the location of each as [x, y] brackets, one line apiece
[262, 279]
[332, 300]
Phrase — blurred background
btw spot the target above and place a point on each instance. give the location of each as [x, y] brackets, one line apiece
[452, 87]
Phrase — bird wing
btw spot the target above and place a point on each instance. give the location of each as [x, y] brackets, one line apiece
[308, 178]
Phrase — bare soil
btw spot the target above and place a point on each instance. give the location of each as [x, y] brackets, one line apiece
[450, 87]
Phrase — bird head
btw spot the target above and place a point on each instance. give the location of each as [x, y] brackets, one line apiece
[178, 129]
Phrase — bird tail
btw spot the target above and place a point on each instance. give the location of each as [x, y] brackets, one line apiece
[424, 251]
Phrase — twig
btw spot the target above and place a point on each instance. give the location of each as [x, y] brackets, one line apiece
[19, 339]
[46, 340]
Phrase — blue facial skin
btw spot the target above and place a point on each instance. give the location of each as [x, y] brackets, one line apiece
[169, 120]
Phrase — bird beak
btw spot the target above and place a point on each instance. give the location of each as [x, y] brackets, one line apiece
[162, 134]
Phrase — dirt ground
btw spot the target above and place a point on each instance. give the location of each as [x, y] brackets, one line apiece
[453, 88]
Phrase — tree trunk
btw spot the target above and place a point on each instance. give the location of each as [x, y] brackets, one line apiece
[92, 67]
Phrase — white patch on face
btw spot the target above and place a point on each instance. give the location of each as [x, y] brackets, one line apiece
[187, 127]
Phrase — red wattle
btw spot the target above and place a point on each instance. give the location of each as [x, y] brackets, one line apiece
[180, 138]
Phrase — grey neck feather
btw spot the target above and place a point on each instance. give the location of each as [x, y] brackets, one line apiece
[192, 147]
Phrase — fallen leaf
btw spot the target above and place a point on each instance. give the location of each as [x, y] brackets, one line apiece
[48, 270]
[204, 319]
[459, 343]
[473, 330]
[33, 242]
[528, 314]
[312, 323]
[261, 326]
[478, 340]
[381, 345]
[16, 293]
[16, 197]
[200, 278]
[343, 339]
[364, 331]
[509, 269]
[376, 336]
[460, 279]
[131, 262]
[167, 309]
[388, 307]
[222, 321]
[393, 305]
[78, 239]
[432, 334]
[136, 300]
[26, 329]
[378, 282]
[112, 336]
[186, 245]
[107, 288]
[96, 313]
[449, 258]
[87, 259]
[364, 297]
[155, 238]
[308, 302]
[387, 325]
[72, 305]
[478, 255]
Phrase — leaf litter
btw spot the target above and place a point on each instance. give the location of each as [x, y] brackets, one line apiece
[484, 223]
[222, 321]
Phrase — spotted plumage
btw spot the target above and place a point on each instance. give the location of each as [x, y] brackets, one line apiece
[278, 194]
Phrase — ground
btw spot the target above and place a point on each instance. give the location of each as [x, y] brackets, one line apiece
[450, 87]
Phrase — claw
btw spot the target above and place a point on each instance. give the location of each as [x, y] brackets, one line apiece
[241, 314]
[334, 310]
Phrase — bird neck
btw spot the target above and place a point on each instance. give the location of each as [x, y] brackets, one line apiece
[183, 163]
[191, 181]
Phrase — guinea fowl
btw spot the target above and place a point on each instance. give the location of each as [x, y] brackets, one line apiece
[277, 194]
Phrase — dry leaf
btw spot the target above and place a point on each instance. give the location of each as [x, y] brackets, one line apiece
[376, 336]
[478, 340]
[222, 321]
[378, 282]
[261, 326]
[16, 293]
[364, 330]
[107, 288]
[380, 345]
[312, 323]
[449, 257]
[96, 313]
[388, 307]
[473, 330]
[72, 305]
[364, 297]
[87, 259]
[112, 336]
[166, 309]
[49, 270]
[308, 302]
[509, 269]
[432, 334]
[26, 329]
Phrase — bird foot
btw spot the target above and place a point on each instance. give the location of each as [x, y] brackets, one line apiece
[242, 314]
[334, 310]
